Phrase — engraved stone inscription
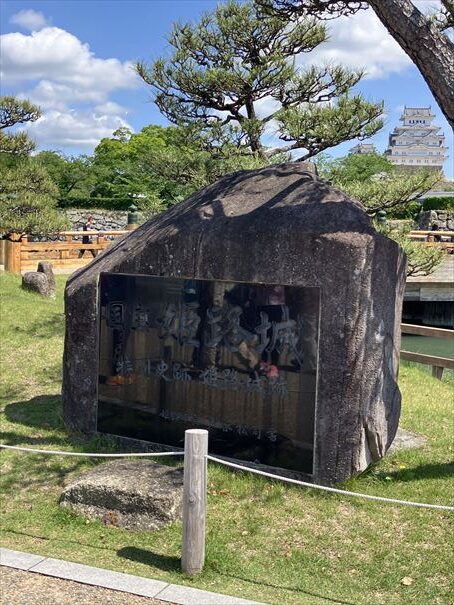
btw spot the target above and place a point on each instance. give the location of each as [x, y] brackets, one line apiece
[238, 359]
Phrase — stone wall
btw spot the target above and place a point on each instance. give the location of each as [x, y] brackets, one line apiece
[106, 220]
[443, 219]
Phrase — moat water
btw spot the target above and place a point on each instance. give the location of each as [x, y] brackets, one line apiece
[428, 345]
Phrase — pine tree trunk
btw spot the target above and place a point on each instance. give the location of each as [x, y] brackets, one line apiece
[254, 139]
[430, 50]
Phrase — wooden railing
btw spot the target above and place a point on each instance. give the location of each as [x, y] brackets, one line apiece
[438, 363]
[437, 239]
[68, 252]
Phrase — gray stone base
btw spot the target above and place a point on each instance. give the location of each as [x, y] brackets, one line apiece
[134, 494]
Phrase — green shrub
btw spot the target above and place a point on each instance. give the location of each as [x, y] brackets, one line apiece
[439, 203]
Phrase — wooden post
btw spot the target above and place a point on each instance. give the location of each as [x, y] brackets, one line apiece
[194, 500]
[13, 256]
[64, 254]
[437, 372]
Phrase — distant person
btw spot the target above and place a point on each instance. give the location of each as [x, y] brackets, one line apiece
[88, 226]
[436, 238]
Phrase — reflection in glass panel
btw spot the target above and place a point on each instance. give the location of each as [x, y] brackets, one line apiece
[238, 359]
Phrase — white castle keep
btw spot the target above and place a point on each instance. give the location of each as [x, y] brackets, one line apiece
[417, 143]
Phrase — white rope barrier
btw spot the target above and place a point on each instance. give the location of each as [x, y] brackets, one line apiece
[89, 455]
[329, 489]
[233, 465]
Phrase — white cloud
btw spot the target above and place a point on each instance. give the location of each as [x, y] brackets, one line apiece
[55, 54]
[361, 42]
[55, 70]
[79, 129]
[29, 19]
[111, 108]
[51, 95]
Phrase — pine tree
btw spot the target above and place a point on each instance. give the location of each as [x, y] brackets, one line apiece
[28, 196]
[14, 111]
[238, 61]
[28, 200]
[424, 38]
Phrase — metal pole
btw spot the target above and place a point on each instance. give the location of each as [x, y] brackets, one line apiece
[194, 500]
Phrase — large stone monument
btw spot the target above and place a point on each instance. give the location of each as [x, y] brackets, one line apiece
[265, 308]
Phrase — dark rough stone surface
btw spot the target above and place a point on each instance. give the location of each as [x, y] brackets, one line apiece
[37, 282]
[274, 225]
[135, 494]
[46, 268]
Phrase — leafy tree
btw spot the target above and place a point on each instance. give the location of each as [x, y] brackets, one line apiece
[421, 260]
[240, 56]
[120, 168]
[74, 176]
[358, 168]
[375, 182]
[160, 166]
[28, 196]
[391, 192]
[378, 185]
[423, 38]
[14, 111]
[28, 200]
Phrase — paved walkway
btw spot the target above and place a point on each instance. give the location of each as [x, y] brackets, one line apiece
[25, 587]
[27, 579]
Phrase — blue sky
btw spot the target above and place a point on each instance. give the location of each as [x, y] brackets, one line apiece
[75, 58]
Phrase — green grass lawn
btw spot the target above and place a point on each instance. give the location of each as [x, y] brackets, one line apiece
[266, 541]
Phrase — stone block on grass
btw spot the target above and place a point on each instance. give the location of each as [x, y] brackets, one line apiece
[46, 268]
[134, 494]
[37, 282]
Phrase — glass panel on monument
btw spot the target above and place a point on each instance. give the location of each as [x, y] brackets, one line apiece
[238, 359]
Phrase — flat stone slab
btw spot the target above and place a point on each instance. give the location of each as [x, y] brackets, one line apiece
[18, 560]
[100, 577]
[406, 440]
[134, 494]
[136, 585]
[192, 596]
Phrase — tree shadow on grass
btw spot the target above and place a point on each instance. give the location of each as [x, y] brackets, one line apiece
[172, 564]
[11, 438]
[43, 414]
[46, 328]
[37, 472]
[43, 411]
[439, 470]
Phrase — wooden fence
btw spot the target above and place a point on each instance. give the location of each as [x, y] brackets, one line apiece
[22, 255]
[67, 253]
[438, 363]
[437, 239]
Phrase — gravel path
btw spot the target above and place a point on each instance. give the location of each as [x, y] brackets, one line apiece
[27, 588]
